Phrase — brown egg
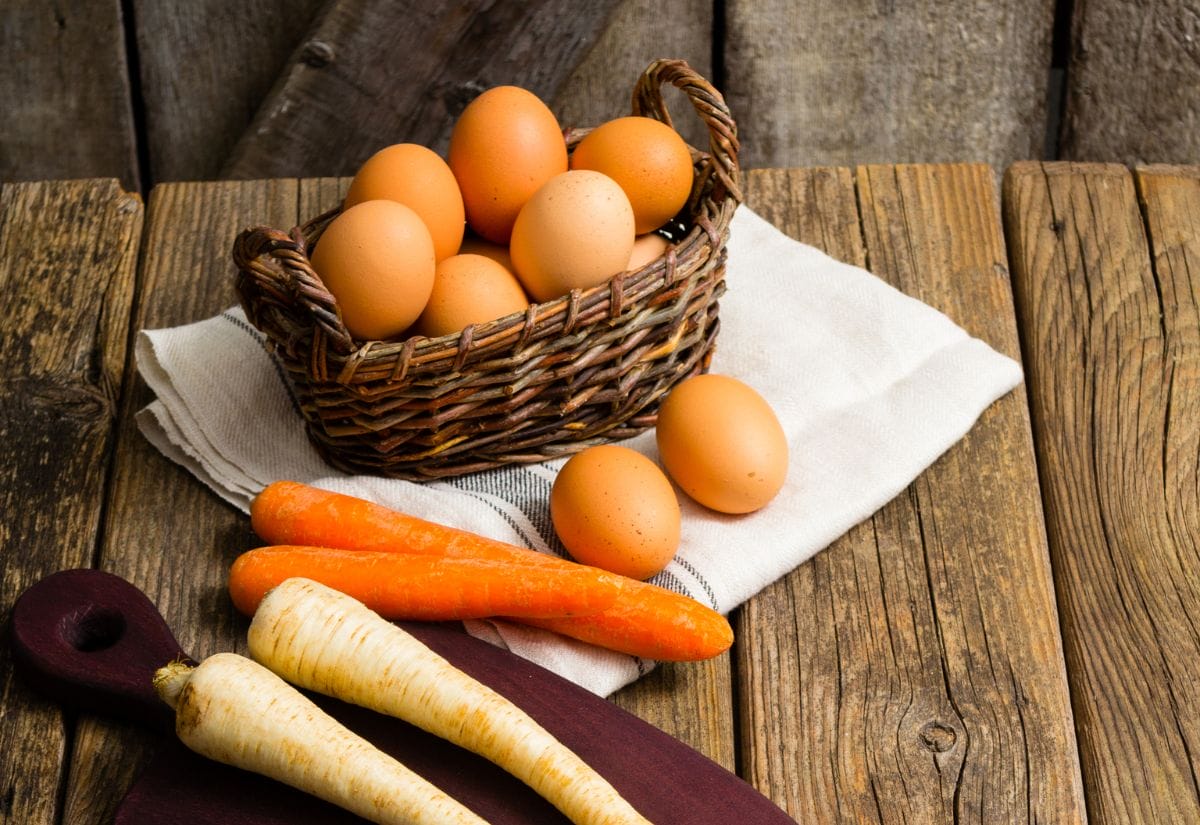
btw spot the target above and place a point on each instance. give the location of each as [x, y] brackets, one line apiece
[469, 289]
[504, 145]
[649, 160]
[613, 508]
[418, 178]
[576, 231]
[377, 259]
[646, 248]
[474, 245]
[722, 444]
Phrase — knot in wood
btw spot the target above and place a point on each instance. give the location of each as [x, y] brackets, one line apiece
[317, 53]
[64, 399]
[937, 737]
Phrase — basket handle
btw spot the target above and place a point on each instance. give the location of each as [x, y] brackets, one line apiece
[709, 104]
[280, 292]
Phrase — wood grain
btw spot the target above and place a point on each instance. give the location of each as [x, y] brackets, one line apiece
[164, 532]
[638, 33]
[913, 670]
[370, 74]
[65, 87]
[691, 701]
[67, 257]
[205, 68]
[816, 83]
[1108, 309]
[1133, 83]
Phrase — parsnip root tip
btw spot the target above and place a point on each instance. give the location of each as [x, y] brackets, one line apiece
[170, 680]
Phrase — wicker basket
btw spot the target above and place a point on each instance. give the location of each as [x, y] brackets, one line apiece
[583, 369]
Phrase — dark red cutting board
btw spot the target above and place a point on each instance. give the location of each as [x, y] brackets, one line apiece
[92, 641]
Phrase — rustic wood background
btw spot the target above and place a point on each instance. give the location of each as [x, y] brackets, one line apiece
[149, 91]
[1011, 639]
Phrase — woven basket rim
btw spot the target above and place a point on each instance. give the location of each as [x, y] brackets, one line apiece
[562, 315]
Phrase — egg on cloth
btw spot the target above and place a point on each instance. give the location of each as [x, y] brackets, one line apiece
[417, 177]
[377, 258]
[469, 289]
[613, 508]
[648, 159]
[503, 147]
[721, 442]
[575, 232]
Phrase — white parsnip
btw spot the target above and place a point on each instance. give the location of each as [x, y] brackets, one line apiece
[323, 640]
[233, 710]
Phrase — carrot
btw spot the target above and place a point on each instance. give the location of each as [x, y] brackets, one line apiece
[645, 620]
[428, 588]
[326, 641]
[288, 512]
[235, 711]
[648, 621]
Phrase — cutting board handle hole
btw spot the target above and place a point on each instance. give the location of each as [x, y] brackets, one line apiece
[93, 628]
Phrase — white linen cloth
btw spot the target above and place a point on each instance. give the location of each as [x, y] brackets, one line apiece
[871, 386]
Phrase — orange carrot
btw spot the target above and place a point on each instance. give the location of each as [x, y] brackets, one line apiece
[427, 588]
[645, 620]
[288, 512]
[648, 621]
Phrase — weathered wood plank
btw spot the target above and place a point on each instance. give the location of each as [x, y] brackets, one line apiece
[319, 195]
[818, 83]
[206, 67]
[1133, 83]
[371, 74]
[887, 680]
[638, 33]
[165, 532]
[1112, 336]
[692, 702]
[938, 236]
[65, 87]
[68, 252]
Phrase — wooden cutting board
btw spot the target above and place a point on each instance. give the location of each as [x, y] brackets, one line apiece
[92, 641]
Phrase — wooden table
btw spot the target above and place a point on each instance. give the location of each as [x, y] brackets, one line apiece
[1014, 638]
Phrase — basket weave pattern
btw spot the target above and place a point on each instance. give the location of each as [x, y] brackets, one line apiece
[586, 368]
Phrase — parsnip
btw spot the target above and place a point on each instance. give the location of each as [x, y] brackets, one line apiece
[323, 640]
[235, 711]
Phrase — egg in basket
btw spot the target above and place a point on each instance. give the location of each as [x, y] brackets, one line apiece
[579, 283]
